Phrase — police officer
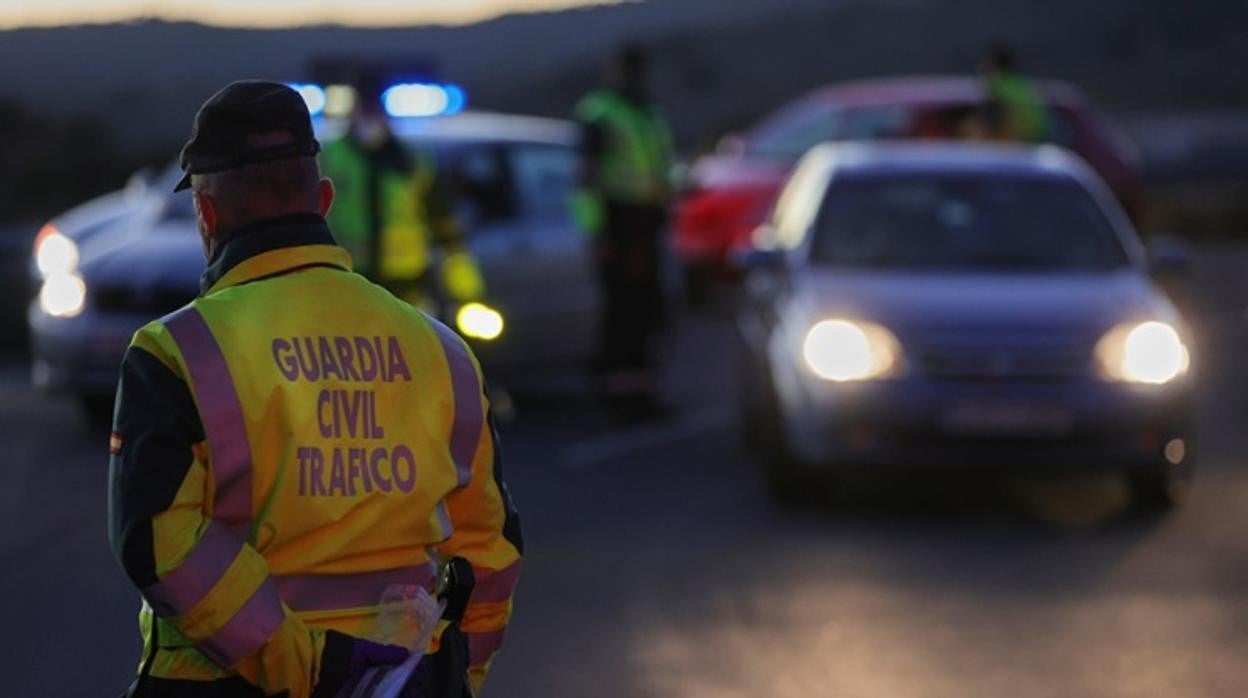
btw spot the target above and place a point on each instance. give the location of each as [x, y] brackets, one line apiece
[295, 442]
[621, 205]
[393, 211]
[1017, 112]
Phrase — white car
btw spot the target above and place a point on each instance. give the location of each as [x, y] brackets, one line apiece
[513, 175]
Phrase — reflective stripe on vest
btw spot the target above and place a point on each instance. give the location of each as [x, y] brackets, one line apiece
[248, 629]
[466, 388]
[188, 583]
[495, 586]
[331, 592]
[222, 417]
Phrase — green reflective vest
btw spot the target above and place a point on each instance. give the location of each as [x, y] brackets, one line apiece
[402, 230]
[637, 159]
[1025, 116]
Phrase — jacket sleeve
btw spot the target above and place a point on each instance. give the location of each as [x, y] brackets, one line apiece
[487, 534]
[200, 577]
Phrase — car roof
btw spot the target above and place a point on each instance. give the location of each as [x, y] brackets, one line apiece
[887, 157]
[930, 90]
[472, 126]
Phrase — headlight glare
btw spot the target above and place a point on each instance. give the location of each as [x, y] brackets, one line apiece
[479, 321]
[63, 295]
[844, 350]
[1148, 352]
[55, 253]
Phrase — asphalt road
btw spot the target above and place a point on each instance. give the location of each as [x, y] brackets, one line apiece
[657, 565]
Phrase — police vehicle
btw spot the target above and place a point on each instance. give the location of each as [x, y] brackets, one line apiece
[139, 256]
[948, 305]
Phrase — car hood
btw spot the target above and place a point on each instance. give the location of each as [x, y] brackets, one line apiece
[933, 306]
[168, 255]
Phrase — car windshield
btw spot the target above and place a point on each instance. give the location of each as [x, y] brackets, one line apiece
[788, 135]
[791, 133]
[544, 175]
[962, 222]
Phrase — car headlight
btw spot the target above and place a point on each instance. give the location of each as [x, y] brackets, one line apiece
[1147, 352]
[843, 350]
[54, 253]
[479, 321]
[63, 294]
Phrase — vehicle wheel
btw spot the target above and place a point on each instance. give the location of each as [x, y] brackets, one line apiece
[1161, 489]
[98, 410]
[790, 481]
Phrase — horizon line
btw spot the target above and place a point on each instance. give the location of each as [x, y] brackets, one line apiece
[327, 18]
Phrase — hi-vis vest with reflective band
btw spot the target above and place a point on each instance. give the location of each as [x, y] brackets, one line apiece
[344, 433]
[635, 165]
[403, 233]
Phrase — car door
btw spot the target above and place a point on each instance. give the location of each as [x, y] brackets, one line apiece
[485, 206]
[560, 297]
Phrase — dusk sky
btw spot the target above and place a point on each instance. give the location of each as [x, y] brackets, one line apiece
[271, 13]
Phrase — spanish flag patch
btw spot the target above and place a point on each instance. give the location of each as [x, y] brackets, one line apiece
[114, 443]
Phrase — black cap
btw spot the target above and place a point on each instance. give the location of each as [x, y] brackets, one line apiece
[243, 109]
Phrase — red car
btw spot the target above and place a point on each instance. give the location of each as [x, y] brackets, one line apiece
[731, 190]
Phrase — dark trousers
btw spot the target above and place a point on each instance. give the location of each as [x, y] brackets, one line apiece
[630, 280]
[442, 675]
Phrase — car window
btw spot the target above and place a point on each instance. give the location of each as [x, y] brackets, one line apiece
[964, 222]
[875, 123]
[544, 175]
[477, 179]
[788, 135]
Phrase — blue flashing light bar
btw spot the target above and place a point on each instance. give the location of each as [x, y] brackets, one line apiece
[313, 95]
[423, 99]
[404, 99]
[456, 98]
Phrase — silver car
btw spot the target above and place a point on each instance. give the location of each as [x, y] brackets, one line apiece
[932, 306]
[512, 174]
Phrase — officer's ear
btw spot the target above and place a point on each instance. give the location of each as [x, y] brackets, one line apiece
[206, 212]
[325, 195]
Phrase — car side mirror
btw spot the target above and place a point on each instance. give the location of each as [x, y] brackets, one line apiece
[752, 260]
[764, 272]
[762, 254]
[1169, 257]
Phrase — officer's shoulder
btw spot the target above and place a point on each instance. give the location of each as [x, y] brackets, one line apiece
[593, 105]
[155, 339]
[443, 335]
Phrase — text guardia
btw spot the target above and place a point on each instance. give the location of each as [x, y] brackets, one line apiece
[353, 459]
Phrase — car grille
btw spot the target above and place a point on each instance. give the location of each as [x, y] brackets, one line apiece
[1030, 361]
[150, 302]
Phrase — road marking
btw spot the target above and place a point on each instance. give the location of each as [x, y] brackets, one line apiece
[617, 445]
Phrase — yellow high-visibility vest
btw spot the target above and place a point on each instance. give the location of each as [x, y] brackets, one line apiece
[345, 437]
[636, 165]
